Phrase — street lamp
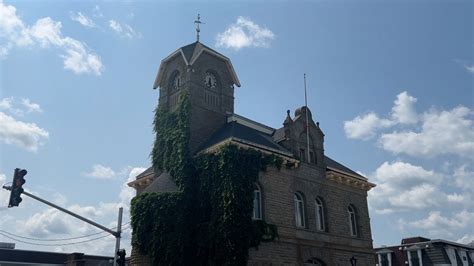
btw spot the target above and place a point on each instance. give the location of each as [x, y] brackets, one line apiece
[353, 261]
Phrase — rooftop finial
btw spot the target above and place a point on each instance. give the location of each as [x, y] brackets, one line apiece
[198, 30]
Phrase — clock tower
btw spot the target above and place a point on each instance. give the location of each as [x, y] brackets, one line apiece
[208, 77]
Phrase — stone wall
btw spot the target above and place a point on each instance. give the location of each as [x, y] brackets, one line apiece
[335, 245]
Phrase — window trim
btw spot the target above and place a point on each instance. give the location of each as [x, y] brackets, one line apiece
[320, 215]
[259, 190]
[299, 202]
[351, 210]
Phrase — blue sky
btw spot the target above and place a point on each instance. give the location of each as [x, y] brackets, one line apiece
[391, 84]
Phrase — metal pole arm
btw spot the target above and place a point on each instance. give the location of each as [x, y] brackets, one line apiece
[114, 233]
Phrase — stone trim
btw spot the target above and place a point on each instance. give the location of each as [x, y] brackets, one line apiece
[142, 182]
[348, 180]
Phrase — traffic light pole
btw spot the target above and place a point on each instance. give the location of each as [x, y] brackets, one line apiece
[119, 230]
[114, 233]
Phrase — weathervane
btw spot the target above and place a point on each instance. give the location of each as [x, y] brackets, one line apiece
[198, 22]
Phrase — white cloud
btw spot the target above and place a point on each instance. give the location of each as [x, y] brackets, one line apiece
[403, 187]
[101, 172]
[46, 223]
[115, 26]
[6, 103]
[403, 110]
[464, 178]
[435, 220]
[46, 33]
[244, 33]
[364, 127]
[31, 107]
[26, 135]
[123, 31]
[442, 132]
[467, 239]
[82, 19]
[469, 68]
[432, 133]
[13, 31]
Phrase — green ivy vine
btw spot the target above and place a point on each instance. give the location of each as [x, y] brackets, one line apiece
[209, 220]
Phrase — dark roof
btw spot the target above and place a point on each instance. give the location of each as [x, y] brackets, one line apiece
[247, 134]
[163, 183]
[333, 164]
[147, 172]
[188, 50]
[279, 134]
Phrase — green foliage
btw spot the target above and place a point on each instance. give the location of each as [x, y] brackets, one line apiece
[209, 221]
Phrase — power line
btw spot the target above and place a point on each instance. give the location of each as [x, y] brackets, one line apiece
[55, 239]
[55, 245]
[59, 239]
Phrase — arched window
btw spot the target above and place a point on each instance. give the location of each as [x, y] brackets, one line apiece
[175, 80]
[320, 219]
[299, 210]
[257, 203]
[352, 220]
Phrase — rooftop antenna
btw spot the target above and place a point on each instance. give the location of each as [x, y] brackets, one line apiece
[307, 120]
[198, 22]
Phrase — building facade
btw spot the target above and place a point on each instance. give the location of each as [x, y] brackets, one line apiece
[420, 251]
[318, 205]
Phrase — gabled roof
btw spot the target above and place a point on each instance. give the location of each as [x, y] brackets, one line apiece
[331, 164]
[247, 135]
[190, 53]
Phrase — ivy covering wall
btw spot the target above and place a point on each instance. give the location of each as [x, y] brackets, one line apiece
[209, 220]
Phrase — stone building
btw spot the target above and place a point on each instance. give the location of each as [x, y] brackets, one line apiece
[319, 206]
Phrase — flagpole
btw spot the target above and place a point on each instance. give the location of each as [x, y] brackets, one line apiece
[307, 121]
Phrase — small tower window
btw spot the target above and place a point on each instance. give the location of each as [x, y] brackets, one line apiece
[175, 81]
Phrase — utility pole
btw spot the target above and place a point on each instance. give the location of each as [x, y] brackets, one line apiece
[116, 234]
[117, 238]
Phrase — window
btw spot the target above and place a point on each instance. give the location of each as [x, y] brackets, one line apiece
[414, 258]
[299, 210]
[303, 155]
[385, 259]
[320, 222]
[311, 157]
[257, 203]
[352, 220]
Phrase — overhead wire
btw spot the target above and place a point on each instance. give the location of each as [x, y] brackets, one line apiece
[58, 239]
[61, 244]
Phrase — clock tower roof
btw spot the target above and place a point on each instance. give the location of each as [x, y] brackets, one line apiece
[190, 53]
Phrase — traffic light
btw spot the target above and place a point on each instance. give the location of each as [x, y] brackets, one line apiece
[121, 257]
[17, 187]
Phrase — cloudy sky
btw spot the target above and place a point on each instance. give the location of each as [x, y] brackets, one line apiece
[391, 84]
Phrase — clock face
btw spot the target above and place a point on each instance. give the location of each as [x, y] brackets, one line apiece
[176, 81]
[210, 80]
